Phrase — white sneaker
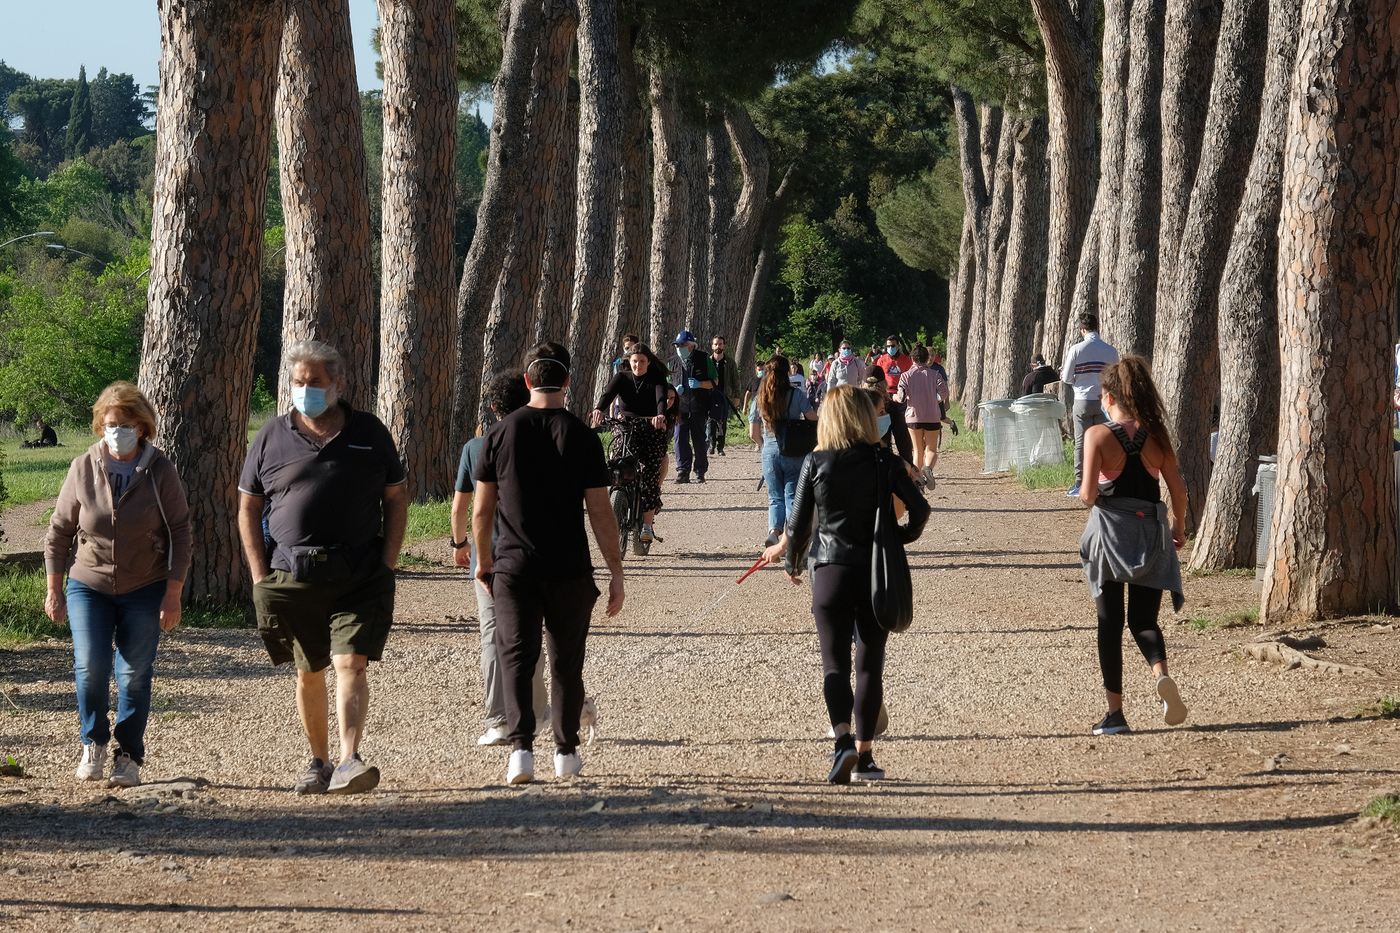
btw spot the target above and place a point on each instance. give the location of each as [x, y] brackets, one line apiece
[93, 767]
[648, 534]
[567, 765]
[522, 767]
[1173, 710]
[125, 772]
[494, 735]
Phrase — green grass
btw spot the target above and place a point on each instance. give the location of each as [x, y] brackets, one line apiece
[1052, 476]
[1386, 806]
[967, 441]
[1229, 620]
[22, 616]
[428, 520]
[39, 474]
[201, 615]
[1388, 707]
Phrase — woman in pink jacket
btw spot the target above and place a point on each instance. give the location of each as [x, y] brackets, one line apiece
[923, 391]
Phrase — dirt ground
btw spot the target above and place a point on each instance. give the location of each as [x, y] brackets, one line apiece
[702, 804]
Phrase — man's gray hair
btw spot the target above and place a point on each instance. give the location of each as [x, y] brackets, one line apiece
[314, 351]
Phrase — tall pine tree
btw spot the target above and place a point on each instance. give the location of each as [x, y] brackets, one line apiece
[76, 145]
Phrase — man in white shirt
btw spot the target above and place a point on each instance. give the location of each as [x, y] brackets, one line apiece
[1083, 364]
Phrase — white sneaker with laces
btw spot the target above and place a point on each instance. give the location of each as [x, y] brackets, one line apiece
[125, 772]
[1173, 710]
[522, 767]
[93, 767]
[494, 735]
[567, 765]
[648, 533]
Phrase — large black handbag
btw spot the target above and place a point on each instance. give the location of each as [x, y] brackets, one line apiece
[891, 586]
[796, 437]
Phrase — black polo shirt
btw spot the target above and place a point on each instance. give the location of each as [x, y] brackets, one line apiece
[324, 496]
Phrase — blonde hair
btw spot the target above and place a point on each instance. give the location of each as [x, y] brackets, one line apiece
[847, 419]
[129, 399]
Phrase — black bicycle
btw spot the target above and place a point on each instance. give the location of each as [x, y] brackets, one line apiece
[625, 465]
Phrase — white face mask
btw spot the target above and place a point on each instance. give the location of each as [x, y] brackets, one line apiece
[120, 440]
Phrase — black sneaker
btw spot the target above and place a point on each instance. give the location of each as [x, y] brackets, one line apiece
[699, 477]
[682, 478]
[315, 779]
[1112, 724]
[867, 769]
[843, 761]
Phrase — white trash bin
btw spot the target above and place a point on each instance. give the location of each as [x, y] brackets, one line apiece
[998, 435]
[1038, 440]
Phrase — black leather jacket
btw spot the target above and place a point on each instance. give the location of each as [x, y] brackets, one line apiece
[833, 512]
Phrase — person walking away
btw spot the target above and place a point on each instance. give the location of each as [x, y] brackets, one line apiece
[893, 363]
[923, 392]
[751, 387]
[1124, 541]
[539, 469]
[694, 377]
[504, 394]
[846, 369]
[936, 363]
[1083, 364]
[724, 396]
[331, 480]
[1039, 376]
[644, 399]
[120, 533]
[894, 430]
[778, 401]
[831, 529]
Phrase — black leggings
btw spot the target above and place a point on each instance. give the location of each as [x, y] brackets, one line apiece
[841, 604]
[1144, 603]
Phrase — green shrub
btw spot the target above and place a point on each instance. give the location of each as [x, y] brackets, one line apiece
[262, 401]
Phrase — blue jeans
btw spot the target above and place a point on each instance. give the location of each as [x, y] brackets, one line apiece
[132, 620]
[780, 474]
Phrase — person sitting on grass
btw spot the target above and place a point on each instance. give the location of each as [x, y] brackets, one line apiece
[48, 437]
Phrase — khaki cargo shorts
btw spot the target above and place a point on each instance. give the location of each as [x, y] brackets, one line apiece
[310, 622]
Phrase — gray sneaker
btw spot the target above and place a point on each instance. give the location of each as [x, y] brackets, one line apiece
[314, 779]
[353, 776]
[125, 772]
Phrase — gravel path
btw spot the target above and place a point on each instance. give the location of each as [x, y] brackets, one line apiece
[702, 804]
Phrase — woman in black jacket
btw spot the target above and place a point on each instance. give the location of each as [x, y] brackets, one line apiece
[833, 515]
[641, 392]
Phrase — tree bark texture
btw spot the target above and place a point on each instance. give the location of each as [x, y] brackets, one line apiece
[960, 307]
[214, 132]
[556, 295]
[746, 220]
[416, 347]
[601, 118]
[763, 268]
[1188, 366]
[521, 30]
[325, 199]
[1131, 319]
[544, 224]
[697, 295]
[1188, 63]
[670, 230]
[1108, 205]
[1248, 322]
[1332, 548]
[719, 194]
[979, 207]
[1068, 29]
[1023, 282]
[1004, 193]
[627, 308]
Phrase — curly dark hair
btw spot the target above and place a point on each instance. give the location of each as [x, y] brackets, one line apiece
[505, 393]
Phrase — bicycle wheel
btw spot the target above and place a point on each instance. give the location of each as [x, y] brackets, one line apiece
[621, 507]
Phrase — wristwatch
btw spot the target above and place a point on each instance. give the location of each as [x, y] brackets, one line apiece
[456, 545]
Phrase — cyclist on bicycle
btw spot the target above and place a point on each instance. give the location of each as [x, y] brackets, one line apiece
[643, 396]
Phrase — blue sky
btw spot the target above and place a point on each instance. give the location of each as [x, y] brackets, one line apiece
[51, 38]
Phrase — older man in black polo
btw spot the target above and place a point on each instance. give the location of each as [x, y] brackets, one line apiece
[323, 564]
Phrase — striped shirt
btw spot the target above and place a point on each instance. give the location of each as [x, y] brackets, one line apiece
[1083, 364]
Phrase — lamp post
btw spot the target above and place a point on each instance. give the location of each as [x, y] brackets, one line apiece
[25, 237]
[70, 249]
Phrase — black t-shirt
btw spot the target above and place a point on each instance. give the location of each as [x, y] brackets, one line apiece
[751, 387]
[325, 496]
[48, 437]
[1037, 379]
[541, 460]
[641, 397]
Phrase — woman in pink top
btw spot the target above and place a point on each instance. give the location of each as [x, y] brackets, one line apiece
[923, 391]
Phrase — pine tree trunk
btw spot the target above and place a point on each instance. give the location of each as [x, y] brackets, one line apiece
[521, 29]
[960, 308]
[773, 216]
[1024, 282]
[1068, 28]
[325, 201]
[697, 296]
[1188, 369]
[559, 190]
[1188, 64]
[747, 219]
[1332, 549]
[999, 229]
[601, 118]
[670, 231]
[627, 308]
[418, 39]
[1249, 346]
[720, 194]
[214, 133]
[979, 208]
[1131, 319]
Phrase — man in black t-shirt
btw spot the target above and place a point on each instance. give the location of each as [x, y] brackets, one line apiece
[539, 468]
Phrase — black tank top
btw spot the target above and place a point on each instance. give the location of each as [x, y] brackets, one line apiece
[1134, 482]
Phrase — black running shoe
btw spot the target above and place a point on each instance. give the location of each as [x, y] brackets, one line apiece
[682, 478]
[867, 769]
[699, 477]
[843, 762]
[1112, 724]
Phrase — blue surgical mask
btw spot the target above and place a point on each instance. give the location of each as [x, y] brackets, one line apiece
[845, 353]
[892, 351]
[309, 400]
[882, 424]
[121, 441]
[684, 351]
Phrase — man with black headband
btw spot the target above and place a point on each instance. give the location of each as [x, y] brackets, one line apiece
[539, 468]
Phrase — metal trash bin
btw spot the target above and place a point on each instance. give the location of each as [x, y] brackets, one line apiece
[998, 435]
[1038, 439]
[1265, 482]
